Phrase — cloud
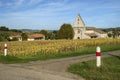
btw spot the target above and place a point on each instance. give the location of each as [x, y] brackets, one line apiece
[56, 12]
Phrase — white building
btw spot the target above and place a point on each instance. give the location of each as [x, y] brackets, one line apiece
[84, 32]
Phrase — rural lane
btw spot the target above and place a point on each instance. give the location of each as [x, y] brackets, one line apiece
[54, 69]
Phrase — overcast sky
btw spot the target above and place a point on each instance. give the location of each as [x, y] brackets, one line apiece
[51, 14]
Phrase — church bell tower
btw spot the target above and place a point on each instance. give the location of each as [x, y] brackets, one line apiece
[79, 28]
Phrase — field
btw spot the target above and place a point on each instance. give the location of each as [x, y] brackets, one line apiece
[58, 48]
[110, 69]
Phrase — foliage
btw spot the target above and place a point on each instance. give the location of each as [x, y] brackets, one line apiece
[66, 32]
[49, 35]
[24, 36]
[3, 28]
[45, 32]
[15, 39]
[110, 34]
[113, 32]
[4, 36]
[110, 69]
[15, 30]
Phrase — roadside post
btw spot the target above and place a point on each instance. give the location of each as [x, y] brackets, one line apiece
[5, 49]
[98, 56]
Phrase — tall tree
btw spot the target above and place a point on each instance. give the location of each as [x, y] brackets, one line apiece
[24, 36]
[66, 32]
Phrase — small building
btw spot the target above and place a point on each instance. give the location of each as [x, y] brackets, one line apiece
[18, 37]
[85, 32]
[36, 36]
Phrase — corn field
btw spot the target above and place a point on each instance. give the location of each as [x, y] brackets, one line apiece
[26, 48]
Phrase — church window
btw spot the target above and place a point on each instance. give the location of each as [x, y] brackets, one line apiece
[79, 31]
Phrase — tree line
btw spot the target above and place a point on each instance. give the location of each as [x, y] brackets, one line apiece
[65, 32]
[113, 32]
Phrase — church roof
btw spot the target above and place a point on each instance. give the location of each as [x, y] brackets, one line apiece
[95, 29]
[79, 22]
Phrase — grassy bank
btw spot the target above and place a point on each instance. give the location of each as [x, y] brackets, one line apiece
[110, 69]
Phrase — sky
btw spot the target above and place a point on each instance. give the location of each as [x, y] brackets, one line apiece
[51, 14]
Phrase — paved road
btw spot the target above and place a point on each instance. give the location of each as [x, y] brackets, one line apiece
[46, 70]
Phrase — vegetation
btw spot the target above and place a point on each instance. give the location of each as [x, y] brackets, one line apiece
[66, 32]
[6, 32]
[3, 28]
[45, 32]
[110, 69]
[113, 32]
[48, 49]
[49, 35]
[3, 37]
[24, 36]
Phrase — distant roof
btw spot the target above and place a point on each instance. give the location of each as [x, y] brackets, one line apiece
[35, 35]
[95, 29]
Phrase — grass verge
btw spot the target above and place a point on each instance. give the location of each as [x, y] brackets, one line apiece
[90, 50]
[110, 69]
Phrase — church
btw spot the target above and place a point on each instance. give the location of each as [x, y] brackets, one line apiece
[85, 32]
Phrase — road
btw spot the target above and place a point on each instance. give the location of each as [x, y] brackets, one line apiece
[54, 69]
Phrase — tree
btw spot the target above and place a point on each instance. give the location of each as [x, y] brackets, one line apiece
[115, 33]
[24, 36]
[15, 30]
[55, 34]
[66, 32]
[110, 34]
[45, 32]
[4, 36]
[3, 28]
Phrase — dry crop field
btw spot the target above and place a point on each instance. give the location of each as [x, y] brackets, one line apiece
[25, 48]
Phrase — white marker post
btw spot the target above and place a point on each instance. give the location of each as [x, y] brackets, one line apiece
[98, 57]
[5, 50]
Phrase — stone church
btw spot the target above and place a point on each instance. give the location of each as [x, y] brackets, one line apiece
[84, 32]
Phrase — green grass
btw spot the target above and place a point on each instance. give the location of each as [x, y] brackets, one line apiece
[90, 50]
[110, 69]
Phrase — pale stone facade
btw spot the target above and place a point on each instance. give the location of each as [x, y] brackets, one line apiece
[84, 32]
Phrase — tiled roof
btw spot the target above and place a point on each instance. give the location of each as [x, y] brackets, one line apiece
[35, 35]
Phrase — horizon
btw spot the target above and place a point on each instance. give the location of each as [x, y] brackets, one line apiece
[51, 14]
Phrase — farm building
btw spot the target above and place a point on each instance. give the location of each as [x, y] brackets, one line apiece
[33, 37]
[15, 35]
[19, 37]
[85, 32]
